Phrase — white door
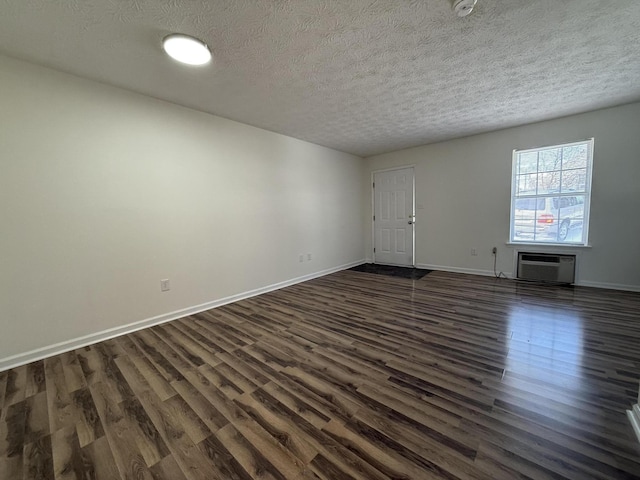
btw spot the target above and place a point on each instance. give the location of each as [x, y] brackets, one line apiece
[393, 217]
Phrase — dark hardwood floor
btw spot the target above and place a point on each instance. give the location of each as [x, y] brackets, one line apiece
[350, 376]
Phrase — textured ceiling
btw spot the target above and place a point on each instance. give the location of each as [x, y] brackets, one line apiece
[361, 76]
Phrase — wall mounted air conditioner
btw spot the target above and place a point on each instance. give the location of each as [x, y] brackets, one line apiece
[547, 267]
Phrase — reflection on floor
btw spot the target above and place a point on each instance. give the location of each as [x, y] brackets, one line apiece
[345, 377]
[545, 341]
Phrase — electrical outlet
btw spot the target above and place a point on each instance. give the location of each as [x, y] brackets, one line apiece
[494, 250]
[308, 256]
[474, 252]
[301, 258]
[165, 286]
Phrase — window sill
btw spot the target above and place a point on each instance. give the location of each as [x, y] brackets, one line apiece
[546, 245]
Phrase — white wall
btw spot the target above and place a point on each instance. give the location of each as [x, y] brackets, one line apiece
[104, 192]
[464, 188]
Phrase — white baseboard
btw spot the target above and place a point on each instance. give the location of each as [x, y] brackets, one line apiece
[62, 347]
[470, 271]
[611, 286]
[489, 273]
[634, 418]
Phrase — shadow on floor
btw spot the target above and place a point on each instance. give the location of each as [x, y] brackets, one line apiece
[403, 272]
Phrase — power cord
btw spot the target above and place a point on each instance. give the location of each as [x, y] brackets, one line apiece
[495, 261]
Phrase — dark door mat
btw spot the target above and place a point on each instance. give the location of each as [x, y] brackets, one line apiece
[404, 272]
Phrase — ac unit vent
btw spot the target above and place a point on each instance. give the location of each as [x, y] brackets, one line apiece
[529, 257]
[546, 267]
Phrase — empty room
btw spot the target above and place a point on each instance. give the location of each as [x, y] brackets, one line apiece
[319, 239]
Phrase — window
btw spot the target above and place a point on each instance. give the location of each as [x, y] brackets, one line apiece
[551, 194]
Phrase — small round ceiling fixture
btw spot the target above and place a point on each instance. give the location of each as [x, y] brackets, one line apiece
[186, 49]
[464, 7]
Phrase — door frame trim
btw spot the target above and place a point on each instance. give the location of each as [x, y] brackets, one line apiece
[373, 209]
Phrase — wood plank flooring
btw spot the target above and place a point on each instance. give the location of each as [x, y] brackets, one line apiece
[351, 376]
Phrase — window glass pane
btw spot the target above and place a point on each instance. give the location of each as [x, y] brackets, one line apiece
[548, 182]
[575, 156]
[574, 180]
[527, 162]
[570, 219]
[550, 160]
[526, 184]
[529, 204]
[524, 214]
[545, 222]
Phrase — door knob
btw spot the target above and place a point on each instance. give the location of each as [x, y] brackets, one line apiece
[410, 223]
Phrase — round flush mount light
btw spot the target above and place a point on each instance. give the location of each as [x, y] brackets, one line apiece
[186, 49]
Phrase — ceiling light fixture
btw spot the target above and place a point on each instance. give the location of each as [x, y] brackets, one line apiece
[463, 7]
[186, 49]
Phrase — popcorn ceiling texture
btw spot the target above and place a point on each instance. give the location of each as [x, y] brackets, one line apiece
[361, 76]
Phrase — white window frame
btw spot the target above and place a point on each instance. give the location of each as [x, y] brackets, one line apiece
[587, 196]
